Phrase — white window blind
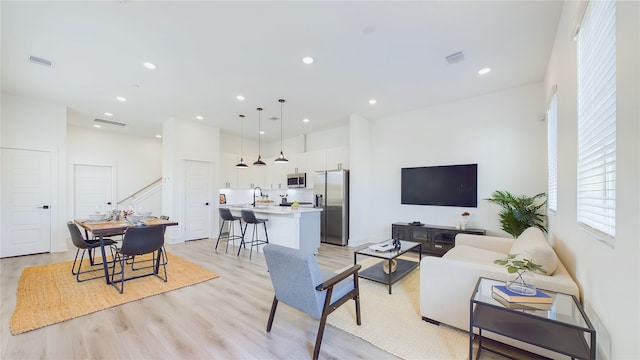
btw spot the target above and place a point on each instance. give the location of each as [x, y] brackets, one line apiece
[552, 153]
[596, 182]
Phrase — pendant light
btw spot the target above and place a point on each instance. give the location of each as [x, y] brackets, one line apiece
[259, 162]
[281, 159]
[241, 164]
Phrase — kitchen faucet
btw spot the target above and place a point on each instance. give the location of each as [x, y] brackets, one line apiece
[254, 194]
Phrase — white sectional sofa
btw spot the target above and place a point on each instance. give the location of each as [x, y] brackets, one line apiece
[446, 283]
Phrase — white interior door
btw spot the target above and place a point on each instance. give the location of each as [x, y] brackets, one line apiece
[26, 201]
[197, 199]
[93, 190]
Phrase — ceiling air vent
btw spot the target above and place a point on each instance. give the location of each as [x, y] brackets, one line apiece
[455, 57]
[109, 122]
[40, 61]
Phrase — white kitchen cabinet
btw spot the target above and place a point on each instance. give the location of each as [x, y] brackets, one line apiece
[228, 171]
[337, 158]
[252, 176]
[276, 175]
[316, 161]
[297, 163]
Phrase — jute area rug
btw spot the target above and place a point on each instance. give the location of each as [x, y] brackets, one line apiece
[49, 294]
[394, 324]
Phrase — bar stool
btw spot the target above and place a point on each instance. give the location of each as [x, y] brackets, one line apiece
[250, 218]
[225, 215]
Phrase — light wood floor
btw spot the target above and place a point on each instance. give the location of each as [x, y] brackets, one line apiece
[223, 318]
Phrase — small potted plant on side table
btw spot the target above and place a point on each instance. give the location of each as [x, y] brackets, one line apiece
[520, 274]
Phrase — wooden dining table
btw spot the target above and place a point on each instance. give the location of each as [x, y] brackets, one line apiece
[100, 228]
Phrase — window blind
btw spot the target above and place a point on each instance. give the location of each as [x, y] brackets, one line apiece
[552, 153]
[596, 172]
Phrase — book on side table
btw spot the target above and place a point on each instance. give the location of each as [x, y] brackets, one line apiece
[510, 296]
[521, 306]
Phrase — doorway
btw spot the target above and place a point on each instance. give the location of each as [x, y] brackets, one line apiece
[197, 199]
[27, 180]
[93, 190]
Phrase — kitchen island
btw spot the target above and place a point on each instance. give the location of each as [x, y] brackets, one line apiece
[298, 229]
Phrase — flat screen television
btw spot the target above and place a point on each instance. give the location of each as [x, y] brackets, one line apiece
[450, 185]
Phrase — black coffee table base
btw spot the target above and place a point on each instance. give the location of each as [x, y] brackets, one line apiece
[403, 267]
[376, 273]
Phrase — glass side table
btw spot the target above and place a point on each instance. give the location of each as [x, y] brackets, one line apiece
[562, 326]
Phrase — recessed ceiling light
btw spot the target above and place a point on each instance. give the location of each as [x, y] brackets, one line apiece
[150, 66]
[372, 102]
[159, 136]
[200, 117]
[305, 120]
[261, 132]
[240, 97]
[121, 98]
[307, 60]
[97, 126]
[108, 114]
[484, 71]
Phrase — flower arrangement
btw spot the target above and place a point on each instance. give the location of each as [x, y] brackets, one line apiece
[519, 267]
[465, 213]
[514, 265]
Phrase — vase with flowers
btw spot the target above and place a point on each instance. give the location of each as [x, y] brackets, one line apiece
[520, 272]
[464, 219]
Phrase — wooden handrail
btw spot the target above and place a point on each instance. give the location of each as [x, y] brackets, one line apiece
[139, 191]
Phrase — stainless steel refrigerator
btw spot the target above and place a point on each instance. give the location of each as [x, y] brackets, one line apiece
[331, 193]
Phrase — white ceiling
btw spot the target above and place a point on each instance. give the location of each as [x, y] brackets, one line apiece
[209, 52]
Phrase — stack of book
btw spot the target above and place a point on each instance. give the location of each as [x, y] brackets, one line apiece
[512, 300]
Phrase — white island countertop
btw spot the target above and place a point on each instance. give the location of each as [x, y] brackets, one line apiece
[298, 229]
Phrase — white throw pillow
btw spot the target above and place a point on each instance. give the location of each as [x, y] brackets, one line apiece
[533, 245]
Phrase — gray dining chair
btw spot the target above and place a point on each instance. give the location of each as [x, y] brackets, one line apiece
[300, 283]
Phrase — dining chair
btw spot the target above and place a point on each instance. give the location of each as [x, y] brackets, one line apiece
[300, 283]
[87, 246]
[164, 252]
[140, 240]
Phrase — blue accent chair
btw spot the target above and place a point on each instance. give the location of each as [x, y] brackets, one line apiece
[300, 283]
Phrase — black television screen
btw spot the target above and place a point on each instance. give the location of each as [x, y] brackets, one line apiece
[452, 185]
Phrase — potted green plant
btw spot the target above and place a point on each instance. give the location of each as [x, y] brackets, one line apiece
[520, 274]
[520, 212]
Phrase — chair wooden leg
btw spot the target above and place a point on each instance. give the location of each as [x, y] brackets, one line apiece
[272, 314]
[323, 321]
[357, 299]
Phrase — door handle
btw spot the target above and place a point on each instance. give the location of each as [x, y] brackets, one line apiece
[108, 202]
[43, 207]
[207, 204]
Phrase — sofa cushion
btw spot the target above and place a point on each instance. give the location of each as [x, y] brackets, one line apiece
[474, 255]
[533, 245]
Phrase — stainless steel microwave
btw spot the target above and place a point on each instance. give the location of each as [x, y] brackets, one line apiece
[298, 180]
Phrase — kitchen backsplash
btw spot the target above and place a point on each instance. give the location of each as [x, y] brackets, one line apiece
[245, 196]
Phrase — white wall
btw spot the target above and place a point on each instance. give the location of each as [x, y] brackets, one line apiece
[326, 139]
[501, 132]
[361, 167]
[33, 124]
[136, 160]
[608, 276]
